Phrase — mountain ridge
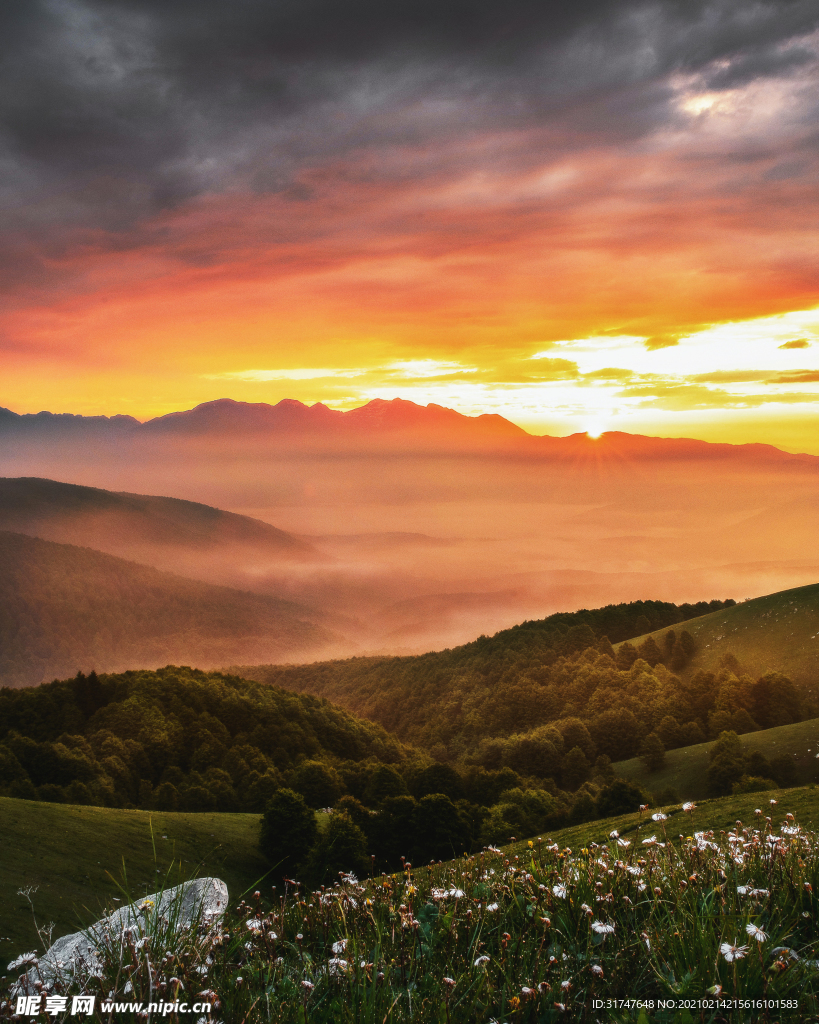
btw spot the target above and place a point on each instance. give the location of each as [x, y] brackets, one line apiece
[380, 418]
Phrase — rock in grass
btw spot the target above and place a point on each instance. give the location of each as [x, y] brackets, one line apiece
[202, 901]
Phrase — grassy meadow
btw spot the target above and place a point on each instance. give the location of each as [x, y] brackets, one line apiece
[775, 633]
[685, 768]
[693, 906]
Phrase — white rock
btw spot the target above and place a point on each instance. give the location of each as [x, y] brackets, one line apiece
[201, 901]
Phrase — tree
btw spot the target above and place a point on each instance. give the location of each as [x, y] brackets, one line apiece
[532, 755]
[642, 625]
[575, 769]
[576, 734]
[619, 797]
[385, 781]
[617, 733]
[319, 784]
[439, 778]
[688, 644]
[727, 764]
[669, 732]
[650, 652]
[775, 701]
[392, 831]
[669, 640]
[341, 848]
[652, 752]
[441, 832]
[288, 831]
[626, 656]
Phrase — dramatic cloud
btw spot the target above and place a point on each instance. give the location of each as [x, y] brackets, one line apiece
[254, 196]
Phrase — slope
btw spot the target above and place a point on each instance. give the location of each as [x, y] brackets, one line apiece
[775, 633]
[118, 521]
[64, 608]
[685, 769]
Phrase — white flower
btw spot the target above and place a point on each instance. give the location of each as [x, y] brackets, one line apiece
[651, 841]
[614, 834]
[254, 924]
[481, 960]
[26, 960]
[560, 891]
[597, 970]
[732, 952]
[689, 806]
[659, 816]
[624, 842]
[601, 928]
[339, 947]
[492, 907]
[755, 932]
[336, 965]
[455, 893]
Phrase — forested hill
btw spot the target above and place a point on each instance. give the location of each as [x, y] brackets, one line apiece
[64, 608]
[176, 738]
[508, 683]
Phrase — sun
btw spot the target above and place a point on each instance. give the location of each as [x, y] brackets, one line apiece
[595, 428]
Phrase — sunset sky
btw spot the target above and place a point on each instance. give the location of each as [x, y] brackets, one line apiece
[584, 216]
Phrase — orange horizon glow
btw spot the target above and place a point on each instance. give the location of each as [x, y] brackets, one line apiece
[568, 283]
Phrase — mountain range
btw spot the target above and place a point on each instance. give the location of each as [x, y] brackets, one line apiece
[414, 528]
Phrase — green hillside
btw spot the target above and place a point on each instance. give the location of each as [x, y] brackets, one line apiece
[64, 608]
[73, 856]
[775, 633]
[685, 769]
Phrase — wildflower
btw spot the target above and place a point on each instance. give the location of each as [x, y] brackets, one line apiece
[758, 811]
[492, 908]
[808, 887]
[339, 947]
[349, 878]
[560, 891]
[308, 986]
[624, 842]
[597, 970]
[602, 928]
[689, 806]
[755, 932]
[450, 983]
[560, 1007]
[715, 990]
[527, 993]
[454, 893]
[646, 940]
[586, 908]
[772, 802]
[651, 841]
[482, 960]
[336, 965]
[614, 834]
[732, 952]
[544, 987]
[643, 807]
[659, 816]
[26, 960]
[565, 985]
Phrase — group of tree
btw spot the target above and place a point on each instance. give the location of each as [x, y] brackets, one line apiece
[513, 705]
[732, 769]
[176, 739]
[435, 826]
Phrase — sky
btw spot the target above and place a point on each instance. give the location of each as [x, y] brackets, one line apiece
[590, 216]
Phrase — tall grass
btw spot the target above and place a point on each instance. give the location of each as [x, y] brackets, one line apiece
[536, 936]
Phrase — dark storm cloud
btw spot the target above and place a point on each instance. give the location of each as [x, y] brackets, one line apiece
[110, 111]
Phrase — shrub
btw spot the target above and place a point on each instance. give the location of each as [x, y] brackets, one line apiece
[288, 831]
